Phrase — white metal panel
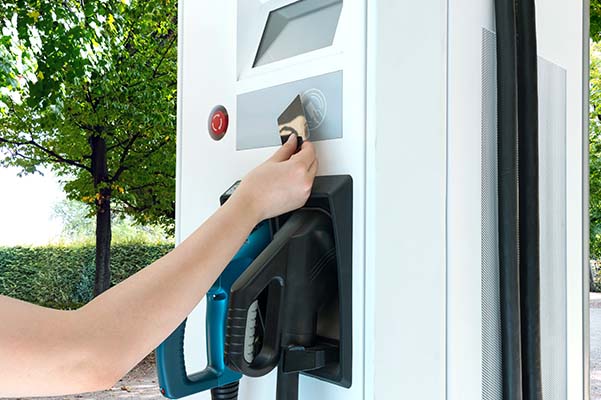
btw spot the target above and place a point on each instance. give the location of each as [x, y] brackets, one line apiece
[208, 69]
[252, 18]
[560, 37]
[464, 197]
[564, 47]
[407, 126]
[420, 272]
[205, 48]
[552, 172]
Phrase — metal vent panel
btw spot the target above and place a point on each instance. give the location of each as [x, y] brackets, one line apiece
[552, 149]
[491, 315]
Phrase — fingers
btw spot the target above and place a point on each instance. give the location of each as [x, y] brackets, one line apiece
[286, 151]
[306, 155]
[313, 169]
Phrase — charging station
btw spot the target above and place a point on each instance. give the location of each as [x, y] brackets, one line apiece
[401, 96]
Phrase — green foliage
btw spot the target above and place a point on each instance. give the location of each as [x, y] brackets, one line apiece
[62, 277]
[595, 152]
[79, 227]
[73, 70]
[48, 43]
[595, 20]
[595, 141]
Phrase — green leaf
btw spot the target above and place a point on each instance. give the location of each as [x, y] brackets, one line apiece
[94, 69]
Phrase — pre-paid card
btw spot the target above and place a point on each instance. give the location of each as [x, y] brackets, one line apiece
[293, 121]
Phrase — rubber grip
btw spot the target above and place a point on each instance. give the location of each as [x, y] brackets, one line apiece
[236, 335]
[266, 273]
[174, 381]
[226, 392]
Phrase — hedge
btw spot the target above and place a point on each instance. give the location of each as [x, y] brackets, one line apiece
[595, 276]
[62, 277]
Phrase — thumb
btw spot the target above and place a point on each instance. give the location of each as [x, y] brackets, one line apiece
[287, 150]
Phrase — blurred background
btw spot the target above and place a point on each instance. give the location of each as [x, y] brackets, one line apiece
[88, 95]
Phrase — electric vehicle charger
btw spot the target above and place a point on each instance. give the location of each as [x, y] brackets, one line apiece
[292, 307]
[223, 382]
[402, 96]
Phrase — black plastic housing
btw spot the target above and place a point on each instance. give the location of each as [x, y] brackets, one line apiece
[303, 283]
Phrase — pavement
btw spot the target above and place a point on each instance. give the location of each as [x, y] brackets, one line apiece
[595, 342]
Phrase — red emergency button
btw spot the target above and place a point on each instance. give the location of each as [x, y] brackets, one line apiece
[218, 122]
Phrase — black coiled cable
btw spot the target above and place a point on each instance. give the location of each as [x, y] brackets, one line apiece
[507, 164]
[529, 198]
[226, 392]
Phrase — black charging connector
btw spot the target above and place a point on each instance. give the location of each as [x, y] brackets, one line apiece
[292, 307]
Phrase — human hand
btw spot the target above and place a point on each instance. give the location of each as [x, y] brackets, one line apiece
[280, 184]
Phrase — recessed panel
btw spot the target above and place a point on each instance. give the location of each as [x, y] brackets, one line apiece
[298, 28]
[258, 111]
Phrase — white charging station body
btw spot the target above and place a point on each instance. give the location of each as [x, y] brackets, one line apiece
[402, 98]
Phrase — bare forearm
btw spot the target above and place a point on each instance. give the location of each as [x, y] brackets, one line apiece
[131, 319]
[49, 352]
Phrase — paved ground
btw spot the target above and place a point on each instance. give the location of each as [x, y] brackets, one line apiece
[595, 322]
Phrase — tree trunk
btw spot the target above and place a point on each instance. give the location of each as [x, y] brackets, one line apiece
[102, 279]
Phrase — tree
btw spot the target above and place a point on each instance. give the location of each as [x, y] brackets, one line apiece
[595, 20]
[88, 88]
[595, 152]
[595, 131]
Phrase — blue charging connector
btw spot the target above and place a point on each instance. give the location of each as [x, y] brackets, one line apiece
[174, 381]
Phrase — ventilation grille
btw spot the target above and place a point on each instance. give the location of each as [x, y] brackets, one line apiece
[552, 146]
[491, 315]
[552, 158]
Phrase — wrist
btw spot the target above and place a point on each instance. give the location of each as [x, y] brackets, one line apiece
[246, 208]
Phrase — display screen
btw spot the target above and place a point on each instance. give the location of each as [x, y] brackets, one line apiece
[298, 28]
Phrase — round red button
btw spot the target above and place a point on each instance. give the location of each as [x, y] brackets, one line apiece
[218, 122]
